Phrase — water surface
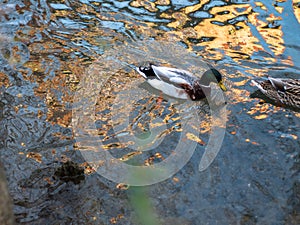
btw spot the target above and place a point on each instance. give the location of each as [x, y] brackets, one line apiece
[47, 49]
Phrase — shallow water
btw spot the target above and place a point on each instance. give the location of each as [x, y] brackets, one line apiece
[53, 51]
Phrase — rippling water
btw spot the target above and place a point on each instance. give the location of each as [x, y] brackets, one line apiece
[48, 48]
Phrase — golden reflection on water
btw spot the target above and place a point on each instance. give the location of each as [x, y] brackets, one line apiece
[150, 6]
[296, 9]
[233, 35]
[229, 28]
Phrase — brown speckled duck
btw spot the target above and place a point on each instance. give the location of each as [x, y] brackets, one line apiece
[281, 90]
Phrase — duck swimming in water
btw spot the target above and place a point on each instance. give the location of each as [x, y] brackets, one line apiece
[281, 90]
[181, 83]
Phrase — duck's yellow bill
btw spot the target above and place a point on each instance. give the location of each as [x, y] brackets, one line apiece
[222, 86]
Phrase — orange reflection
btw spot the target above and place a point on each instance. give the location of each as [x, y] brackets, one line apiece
[296, 7]
[150, 6]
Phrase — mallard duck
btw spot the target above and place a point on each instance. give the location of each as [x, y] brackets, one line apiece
[281, 90]
[180, 83]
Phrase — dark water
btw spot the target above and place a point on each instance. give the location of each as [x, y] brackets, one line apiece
[49, 48]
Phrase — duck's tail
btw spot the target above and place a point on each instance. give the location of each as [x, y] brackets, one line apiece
[257, 84]
[147, 72]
